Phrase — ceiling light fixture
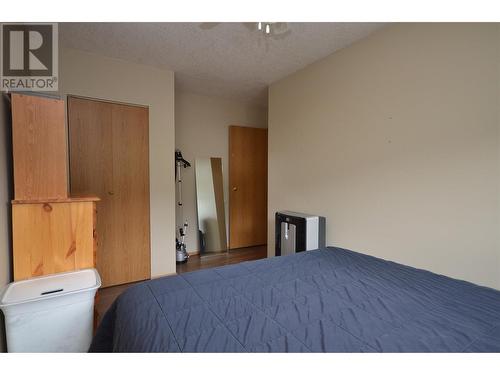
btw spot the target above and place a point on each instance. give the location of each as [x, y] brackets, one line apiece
[271, 30]
[265, 27]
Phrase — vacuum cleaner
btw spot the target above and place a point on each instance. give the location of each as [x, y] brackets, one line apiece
[181, 254]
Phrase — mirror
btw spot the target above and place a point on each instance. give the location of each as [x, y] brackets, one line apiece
[210, 205]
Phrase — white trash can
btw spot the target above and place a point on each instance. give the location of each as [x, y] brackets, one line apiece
[53, 313]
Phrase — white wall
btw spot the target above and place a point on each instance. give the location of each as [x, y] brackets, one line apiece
[5, 197]
[202, 130]
[395, 140]
[95, 76]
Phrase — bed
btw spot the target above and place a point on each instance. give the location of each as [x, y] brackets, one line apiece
[327, 300]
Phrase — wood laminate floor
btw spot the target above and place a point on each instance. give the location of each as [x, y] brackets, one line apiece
[107, 296]
[196, 262]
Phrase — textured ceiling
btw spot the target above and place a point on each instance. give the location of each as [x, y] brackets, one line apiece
[226, 59]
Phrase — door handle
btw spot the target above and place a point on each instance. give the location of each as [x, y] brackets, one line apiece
[111, 192]
[235, 188]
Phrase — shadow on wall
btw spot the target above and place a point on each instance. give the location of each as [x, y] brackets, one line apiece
[6, 158]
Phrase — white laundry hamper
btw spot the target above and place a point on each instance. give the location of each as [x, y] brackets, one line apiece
[53, 313]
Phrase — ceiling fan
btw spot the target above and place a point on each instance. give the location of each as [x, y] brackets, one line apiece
[274, 30]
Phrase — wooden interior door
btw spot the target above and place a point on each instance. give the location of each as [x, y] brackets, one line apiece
[109, 158]
[247, 186]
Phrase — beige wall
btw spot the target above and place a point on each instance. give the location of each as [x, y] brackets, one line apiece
[395, 140]
[100, 77]
[5, 196]
[201, 130]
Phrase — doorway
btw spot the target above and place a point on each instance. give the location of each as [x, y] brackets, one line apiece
[235, 198]
[109, 158]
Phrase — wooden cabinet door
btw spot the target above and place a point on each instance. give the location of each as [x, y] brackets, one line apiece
[247, 186]
[39, 148]
[109, 157]
[52, 237]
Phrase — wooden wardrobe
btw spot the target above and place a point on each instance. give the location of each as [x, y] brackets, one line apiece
[109, 157]
[52, 231]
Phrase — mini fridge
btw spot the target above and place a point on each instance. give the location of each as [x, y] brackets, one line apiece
[296, 232]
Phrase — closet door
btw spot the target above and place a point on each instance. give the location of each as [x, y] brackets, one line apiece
[109, 158]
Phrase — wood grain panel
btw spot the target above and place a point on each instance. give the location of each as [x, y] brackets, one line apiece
[52, 237]
[233, 256]
[109, 157]
[247, 186]
[131, 244]
[216, 164]
[39, 147]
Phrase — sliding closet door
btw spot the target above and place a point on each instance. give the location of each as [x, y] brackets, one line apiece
[109, 158]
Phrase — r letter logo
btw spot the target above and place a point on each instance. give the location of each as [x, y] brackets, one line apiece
[29, 57]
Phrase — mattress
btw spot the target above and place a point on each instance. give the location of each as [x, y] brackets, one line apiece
[328, 300]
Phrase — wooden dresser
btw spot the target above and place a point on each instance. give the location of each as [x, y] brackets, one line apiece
[52, 236]
[52, 232]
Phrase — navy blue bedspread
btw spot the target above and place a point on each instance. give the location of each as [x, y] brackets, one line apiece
[330, 300]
